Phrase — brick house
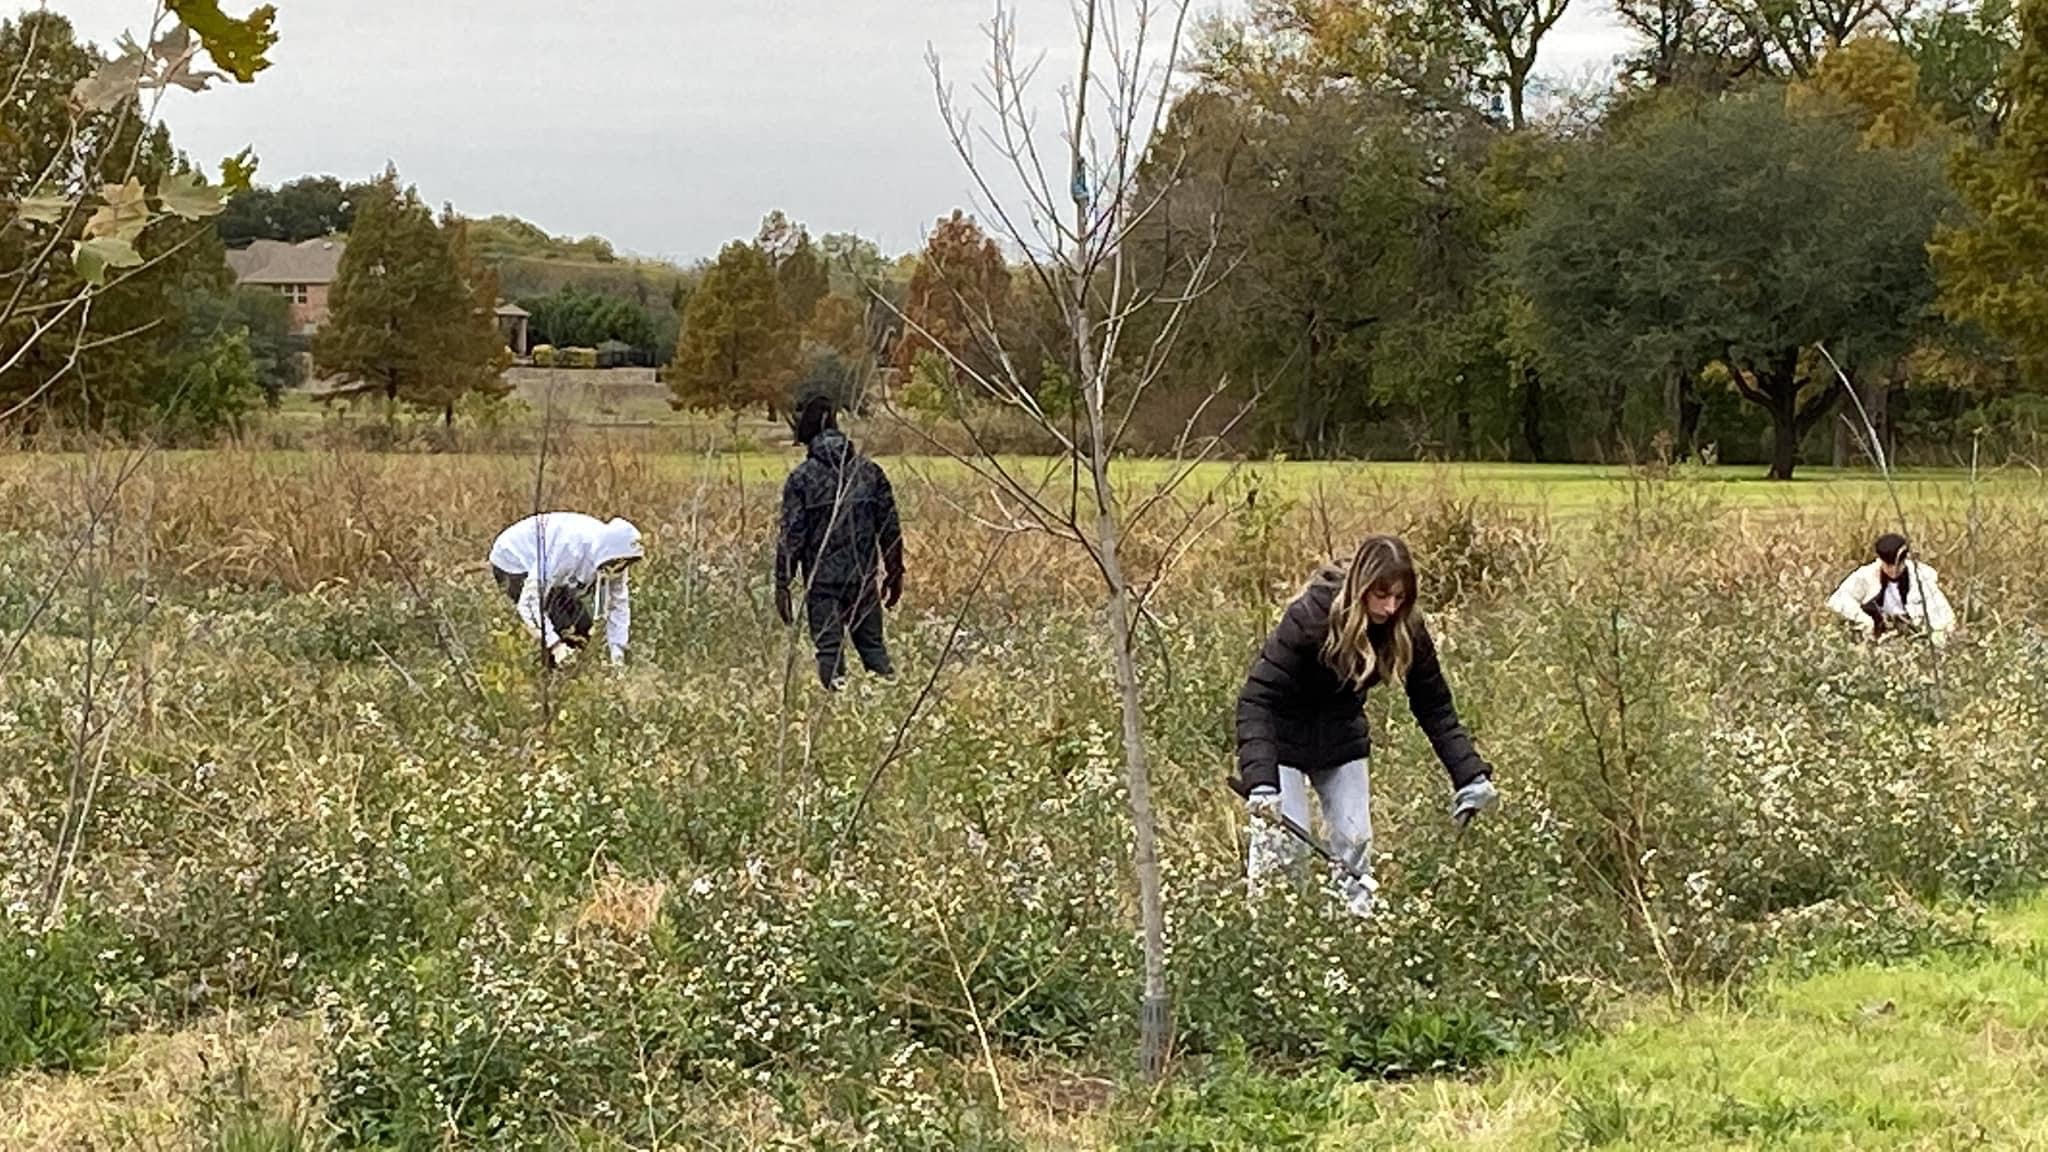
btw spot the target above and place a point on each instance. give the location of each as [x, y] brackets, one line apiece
[302, 272]
[305, 273]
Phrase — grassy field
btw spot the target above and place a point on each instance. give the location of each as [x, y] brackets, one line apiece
[299, 849]
[1939, 1051]
[645, 422]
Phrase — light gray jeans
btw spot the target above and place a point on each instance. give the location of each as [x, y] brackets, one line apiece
[1346, 795]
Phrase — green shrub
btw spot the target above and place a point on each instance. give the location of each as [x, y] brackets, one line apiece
[59, 990]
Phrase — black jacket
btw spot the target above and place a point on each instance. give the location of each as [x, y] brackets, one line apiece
[1295, 711]
[838, 518]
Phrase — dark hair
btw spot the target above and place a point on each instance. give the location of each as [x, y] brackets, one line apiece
[817, 414]
[1890, 547]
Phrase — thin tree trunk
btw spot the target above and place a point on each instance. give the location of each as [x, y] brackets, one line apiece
[1155, 1010]
[1617, 410]
[1155, 1020]
[1685, 399]
[1155, 1017]
[1532, 413]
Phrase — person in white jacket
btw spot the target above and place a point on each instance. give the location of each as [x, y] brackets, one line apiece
[554, 565]
[1895, 593]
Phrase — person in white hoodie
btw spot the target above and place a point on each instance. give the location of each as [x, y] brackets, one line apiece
[1895, 593]
[552, 566]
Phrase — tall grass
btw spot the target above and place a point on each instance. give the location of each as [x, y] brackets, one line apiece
[639, 924]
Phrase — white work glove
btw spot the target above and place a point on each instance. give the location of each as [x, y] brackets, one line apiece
[1473, 799]
[1263, 805]
[559, 655]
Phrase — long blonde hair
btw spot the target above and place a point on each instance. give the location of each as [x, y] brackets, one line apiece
[1383, 563]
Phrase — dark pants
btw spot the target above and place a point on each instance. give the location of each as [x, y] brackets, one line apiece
[833, 611]
[566, 612]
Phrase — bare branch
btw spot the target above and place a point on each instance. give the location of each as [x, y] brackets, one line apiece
[927, 695]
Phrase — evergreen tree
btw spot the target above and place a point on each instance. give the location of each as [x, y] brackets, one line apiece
[411, 313]
[737, 349]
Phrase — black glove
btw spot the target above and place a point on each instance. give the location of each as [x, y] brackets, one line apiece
[892, 588]
[783, 608]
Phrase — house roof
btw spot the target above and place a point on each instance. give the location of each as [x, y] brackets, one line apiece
[512, 311]
[276, 262]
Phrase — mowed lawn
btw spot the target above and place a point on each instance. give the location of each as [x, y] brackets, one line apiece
[1565, 490]
[1947, 1051]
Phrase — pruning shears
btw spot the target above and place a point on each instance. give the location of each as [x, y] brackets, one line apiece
[1295, 830]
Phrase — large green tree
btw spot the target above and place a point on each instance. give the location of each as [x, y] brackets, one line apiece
[411, 314]
[103, 251]
[303, 209]
[1735, 231]
[577, 317]
[1994, 268]
[1330, 161]
[737, 349]
[1962, 50]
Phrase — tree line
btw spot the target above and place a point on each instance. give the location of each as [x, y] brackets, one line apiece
[1429, 253]
[1603, 275]
[118, 311]
[1428, 250]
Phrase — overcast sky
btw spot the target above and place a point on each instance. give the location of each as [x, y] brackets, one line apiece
[669, 126]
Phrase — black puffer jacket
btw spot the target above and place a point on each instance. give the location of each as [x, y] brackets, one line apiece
[1295, 711]
[838, 518]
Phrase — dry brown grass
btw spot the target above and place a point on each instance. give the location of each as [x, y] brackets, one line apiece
[623, 908]
[161, 1091]
[295, 521]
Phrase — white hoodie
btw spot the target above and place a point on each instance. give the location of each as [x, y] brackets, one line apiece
[564, 550]
[1924, 605]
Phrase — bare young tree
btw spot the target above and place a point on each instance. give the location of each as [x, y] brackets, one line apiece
[1079, 199]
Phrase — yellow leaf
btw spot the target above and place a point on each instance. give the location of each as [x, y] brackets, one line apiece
[124, 214]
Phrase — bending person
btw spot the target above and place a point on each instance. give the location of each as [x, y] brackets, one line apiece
[561, 570]
[1301, 716]
[1894, 593]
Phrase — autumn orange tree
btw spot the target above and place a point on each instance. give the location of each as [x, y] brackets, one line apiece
[961, 288]
[1994, 269]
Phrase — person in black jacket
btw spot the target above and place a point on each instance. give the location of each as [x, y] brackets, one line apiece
[1301, 715]
[838, 526]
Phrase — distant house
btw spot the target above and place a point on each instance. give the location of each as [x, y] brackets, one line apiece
[302, 272]
[305, 272]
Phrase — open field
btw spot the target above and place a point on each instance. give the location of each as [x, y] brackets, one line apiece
[298, 849]
[1563, 489]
